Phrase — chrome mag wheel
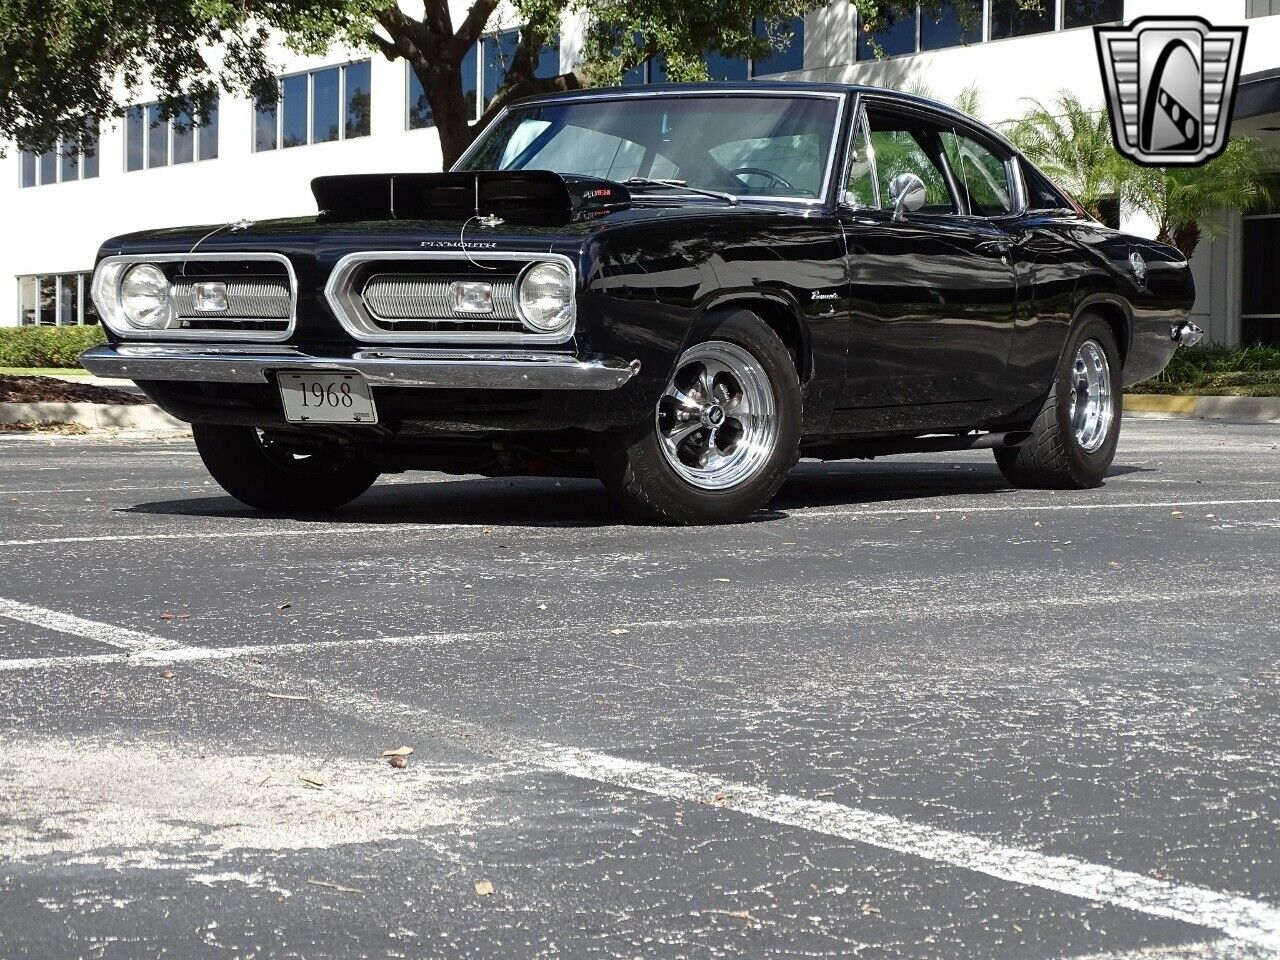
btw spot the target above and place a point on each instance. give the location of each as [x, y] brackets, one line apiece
[1092, 403]
[717, 420]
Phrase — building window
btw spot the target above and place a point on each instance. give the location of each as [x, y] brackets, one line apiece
[1009, 18]
[895, 37]
[943, 28]
[333, 103]
[152, 141]
[780, 61]
[1261, 8]
[68, 160]
[724, 69]
[61, 299]
[500, 50]
[1085, 13]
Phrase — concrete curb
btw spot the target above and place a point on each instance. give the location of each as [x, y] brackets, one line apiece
[1240, 409]
[95, 416]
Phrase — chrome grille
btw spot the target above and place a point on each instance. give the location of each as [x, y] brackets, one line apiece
[402, 296]
[260, 298]
[393, 298]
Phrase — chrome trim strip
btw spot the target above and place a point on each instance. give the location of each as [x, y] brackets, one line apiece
[108, 302]
[820, 200]
[212, 363]
[345, 301]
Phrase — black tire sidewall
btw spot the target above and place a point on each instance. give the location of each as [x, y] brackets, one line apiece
[637, 470]
[1089, 467]
[237, 461]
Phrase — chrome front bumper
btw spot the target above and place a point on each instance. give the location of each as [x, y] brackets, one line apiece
[215, 363]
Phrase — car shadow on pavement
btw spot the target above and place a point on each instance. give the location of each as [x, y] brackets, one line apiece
[572, 502]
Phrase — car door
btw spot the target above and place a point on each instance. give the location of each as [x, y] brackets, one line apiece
[933, 293]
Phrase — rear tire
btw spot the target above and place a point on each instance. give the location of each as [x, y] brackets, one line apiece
[257, 472]
[725, 433]
[1074, 436]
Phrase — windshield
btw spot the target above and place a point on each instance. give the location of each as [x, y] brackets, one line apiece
[744, 145]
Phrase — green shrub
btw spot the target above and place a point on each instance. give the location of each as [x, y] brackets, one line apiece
[46, 346]
[1195, 364]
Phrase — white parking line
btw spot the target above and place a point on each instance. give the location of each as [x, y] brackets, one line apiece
[177, 652]
[317, 530]
[121, 637]
[1212, 950]
[355, 529]
[1240, 918]
[1013, 507]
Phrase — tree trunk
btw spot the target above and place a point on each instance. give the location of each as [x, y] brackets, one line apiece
[442, 82]
[1186, 238]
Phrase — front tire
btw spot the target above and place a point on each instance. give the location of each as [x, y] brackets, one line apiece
[261, 473]
[1073, 439]
[722, 438]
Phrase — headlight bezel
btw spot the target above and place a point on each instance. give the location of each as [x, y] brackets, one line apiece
[163, 293]
[565, 315]
[104, 289]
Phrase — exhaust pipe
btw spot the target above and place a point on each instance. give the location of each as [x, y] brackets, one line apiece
[1186, 334]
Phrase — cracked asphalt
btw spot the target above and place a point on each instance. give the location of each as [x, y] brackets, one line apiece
[908, 713]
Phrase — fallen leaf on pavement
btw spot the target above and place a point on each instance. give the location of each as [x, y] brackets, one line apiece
[167, 674]
[398, 762]
[484, 888]
[398, 752]
[283, 606]
[288, 696]
[619, 631]
[868, 908]
[312, 782]
[174, 616]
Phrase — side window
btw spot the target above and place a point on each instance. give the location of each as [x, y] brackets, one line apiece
[907, 144]
[1041, 193]
[860, 183]
[980, 174]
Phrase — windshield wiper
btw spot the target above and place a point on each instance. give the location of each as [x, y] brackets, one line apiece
[728, 198]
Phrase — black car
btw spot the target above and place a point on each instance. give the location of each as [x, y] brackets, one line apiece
[680, 289]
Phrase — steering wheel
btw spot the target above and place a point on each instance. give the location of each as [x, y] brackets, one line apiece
[762, 172]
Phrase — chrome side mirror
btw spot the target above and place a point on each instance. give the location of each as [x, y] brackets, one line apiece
[907, 193]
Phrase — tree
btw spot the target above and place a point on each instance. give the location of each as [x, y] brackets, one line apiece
[1073, 145]
[1182, 201]
[63, 64]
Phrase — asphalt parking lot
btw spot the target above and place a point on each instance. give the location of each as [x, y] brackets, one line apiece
[909, 713]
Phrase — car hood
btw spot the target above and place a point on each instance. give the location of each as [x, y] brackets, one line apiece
[320, 234]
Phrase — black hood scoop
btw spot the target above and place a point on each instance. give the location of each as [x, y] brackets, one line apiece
[537, 197]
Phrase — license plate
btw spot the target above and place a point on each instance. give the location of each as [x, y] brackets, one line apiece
[326, 398]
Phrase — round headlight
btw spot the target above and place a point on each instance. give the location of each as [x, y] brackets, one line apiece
[546, 297]
[144, 297]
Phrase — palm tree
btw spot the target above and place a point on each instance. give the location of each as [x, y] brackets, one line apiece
[1073, 145]
[1181, 201]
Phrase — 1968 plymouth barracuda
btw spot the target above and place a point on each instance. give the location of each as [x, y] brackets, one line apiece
[680, 289]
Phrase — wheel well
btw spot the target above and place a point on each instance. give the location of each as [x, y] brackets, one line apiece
[782, 321]
[1118, 322]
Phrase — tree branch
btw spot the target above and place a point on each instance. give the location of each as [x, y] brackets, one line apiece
[469, 32]
[558, 84]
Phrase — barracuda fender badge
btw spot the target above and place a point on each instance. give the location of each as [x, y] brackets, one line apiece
[1171, 86]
